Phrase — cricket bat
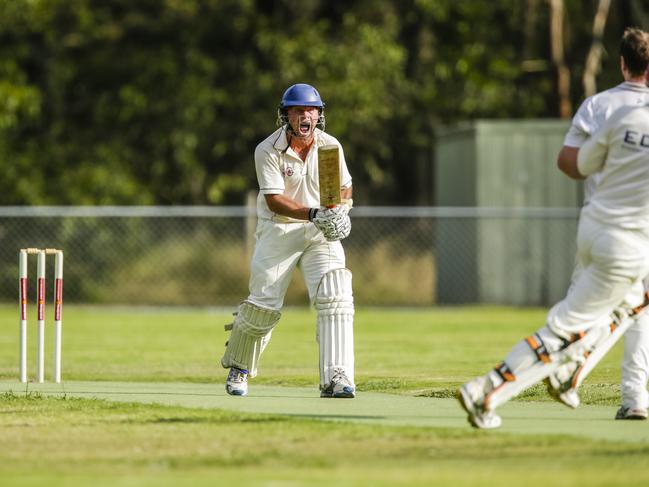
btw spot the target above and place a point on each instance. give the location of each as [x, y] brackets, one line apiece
[329, 172]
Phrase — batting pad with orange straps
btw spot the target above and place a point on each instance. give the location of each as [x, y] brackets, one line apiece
[544, 353]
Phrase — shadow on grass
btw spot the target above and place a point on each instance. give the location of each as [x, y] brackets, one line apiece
[342, 417]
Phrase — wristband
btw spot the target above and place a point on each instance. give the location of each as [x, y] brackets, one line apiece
[312, 213]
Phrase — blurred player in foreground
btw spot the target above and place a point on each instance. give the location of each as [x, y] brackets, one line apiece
[294, 230]
[613, 253]
[593, 112]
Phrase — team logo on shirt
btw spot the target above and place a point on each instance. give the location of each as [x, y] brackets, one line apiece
[288, 172]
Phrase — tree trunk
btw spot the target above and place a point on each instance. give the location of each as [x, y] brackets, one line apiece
[563, 73]
[593, 61]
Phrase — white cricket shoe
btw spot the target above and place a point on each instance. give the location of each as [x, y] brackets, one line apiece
[566, 396]
[339, 387]
[631, 413]
[559, 385]
[471, 396]
[237, 382]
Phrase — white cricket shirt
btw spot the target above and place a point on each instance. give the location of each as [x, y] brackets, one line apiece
[595, 110]
[619, 152]
[281, 171]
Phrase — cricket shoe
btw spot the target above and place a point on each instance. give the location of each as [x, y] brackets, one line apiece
[559, 385]
[340, 386]
[471, 397]
[631, 413]
[566, 396]
[237, 382]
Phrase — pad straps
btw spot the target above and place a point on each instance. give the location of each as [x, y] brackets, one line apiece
[539, 348]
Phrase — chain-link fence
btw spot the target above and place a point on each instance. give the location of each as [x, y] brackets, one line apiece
[200, 255]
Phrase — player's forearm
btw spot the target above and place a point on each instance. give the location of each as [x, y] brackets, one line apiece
[567, 162]
[285, 206]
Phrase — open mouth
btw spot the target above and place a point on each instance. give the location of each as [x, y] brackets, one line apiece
[305, 127]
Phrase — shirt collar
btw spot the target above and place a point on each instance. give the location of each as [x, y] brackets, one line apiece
[281, 143]
[641, 87]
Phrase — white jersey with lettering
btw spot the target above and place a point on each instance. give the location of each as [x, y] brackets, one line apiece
[619, 152]
[592, 114]
[595, 110]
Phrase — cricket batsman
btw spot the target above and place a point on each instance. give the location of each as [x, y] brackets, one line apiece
[301, 221]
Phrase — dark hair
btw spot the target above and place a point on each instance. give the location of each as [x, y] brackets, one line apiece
[634, 49]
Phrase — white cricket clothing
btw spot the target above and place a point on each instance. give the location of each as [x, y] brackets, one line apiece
[613, 235]
[279, 248]
[334, 303]
[251, 331]
[635, 364]
[613, 262]
[592, 114]
[281, 171]
[619, 152]
[624, 181]
[283, 243]
[613, 254]
[595, 110]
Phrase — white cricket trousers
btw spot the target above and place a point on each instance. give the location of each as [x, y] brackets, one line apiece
[279, 248]
[635, 361]
[635, 364]
[613, 262]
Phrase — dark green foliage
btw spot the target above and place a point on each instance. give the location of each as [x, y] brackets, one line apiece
[163, 101]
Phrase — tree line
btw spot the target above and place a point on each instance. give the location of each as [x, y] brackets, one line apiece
[127, 102]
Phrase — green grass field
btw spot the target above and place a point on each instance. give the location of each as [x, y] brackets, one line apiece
[142, 403]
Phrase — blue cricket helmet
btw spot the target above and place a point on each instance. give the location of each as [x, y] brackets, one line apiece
[302, 95]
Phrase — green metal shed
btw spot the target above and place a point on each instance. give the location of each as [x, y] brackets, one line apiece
[510, 255]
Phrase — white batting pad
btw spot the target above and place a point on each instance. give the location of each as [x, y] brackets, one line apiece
[334, 303]
[604, 341]
[523, 366]
[251, 332]
[601, 339]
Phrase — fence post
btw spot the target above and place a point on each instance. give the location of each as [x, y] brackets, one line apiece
[251, 222]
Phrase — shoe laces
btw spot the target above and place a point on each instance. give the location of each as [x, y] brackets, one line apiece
[237, 375]
[340, 376]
